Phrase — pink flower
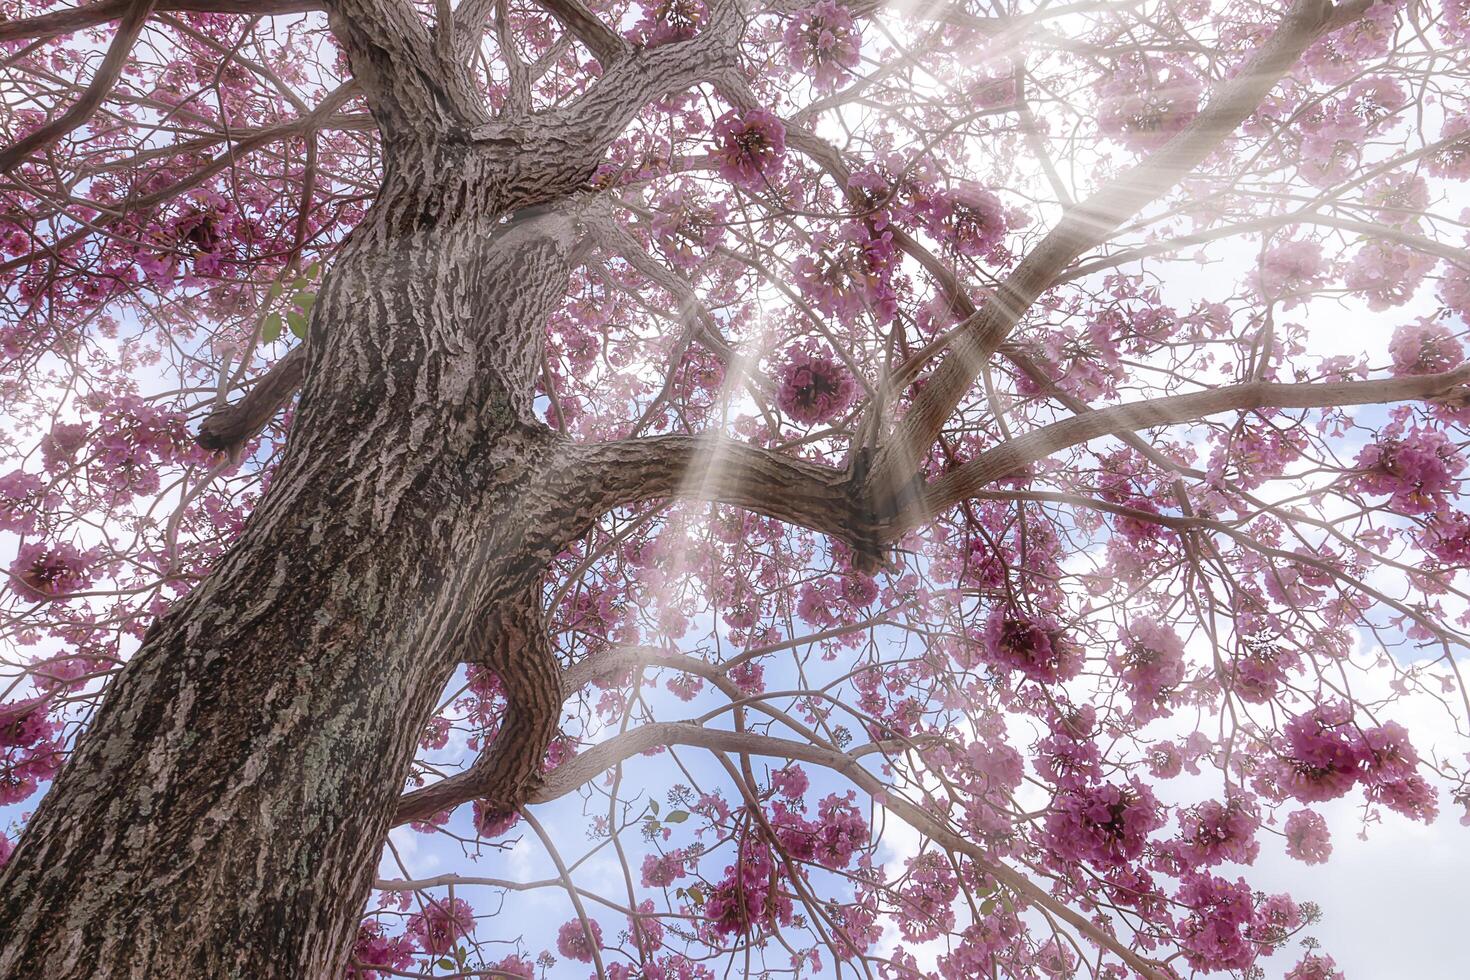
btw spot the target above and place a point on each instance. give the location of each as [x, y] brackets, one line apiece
[440, 925]
[1033, 645]
[1387, 274]
[791, 782]
[751, 147]
[670, 20]
[1307, 837]
[1417, 470]
[374, 948]
[1145, 104]
[571, 940]
[1321, 753]
[1213, 936]
[1105, 825]
[745, 898]
[662, 870]
[1425, 347]
[60, 446]
[1150, 661]
[492, 822]
[813, 386]
[41, 571]
[848, 275]
[24, 723]
[1453, 161]
[1215, 832]
[926, 899]
[1314, 967]
[970, 219]
[20, 497]
[823, 40]
[1447, 538]
[1290, 269]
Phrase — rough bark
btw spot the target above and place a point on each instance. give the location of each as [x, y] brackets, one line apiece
[222, 815]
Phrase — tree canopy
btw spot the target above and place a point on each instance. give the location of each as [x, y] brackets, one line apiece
[1017, 448]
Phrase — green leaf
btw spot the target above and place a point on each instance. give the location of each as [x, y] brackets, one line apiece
[313, 270]
[447, 964]
[301, 283]
[304, 300]
[276, 289]
[270, 330]
[696, 895]
[653, 806]
[298, 324]
[677, 816]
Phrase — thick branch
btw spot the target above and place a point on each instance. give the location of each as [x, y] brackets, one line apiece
[517, 647]
[414, 91]
[1089, 224]
[59, 22]
[227, 429]
[1011, 457]
[712, 467]
[606, 44]
[134, 18]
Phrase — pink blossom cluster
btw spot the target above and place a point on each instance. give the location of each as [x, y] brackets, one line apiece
[442, 923]
[375, 948]
[30, 748]
[1426, 346]
[1314, 967]
[1145, 103]
[1225, 930]
[927, 898]
[1291, 271]
[1417, 469]
[1323, 753]
[813, 386]
[22, 497]
[849, 275]
[750, 147]
[1453, 160]
[1033, 644]
[1307, 837]
[971, 220]
[666, 21]
[830, 840]
[1103, 824]
[1387, 274]
[823, 41]
[571, 940]
[748, 897]
[1149, 657]
[1213, 832]
[44, 572]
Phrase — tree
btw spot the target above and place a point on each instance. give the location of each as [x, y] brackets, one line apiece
[927, 397]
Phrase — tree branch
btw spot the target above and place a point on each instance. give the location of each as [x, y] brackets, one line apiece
[227, 429]
[582, 769]
[134, 18]
[1011, 457]
[60, 22]
[413, 89]
[1088, 224]
[516, 646]
[713, 467]
[606, 44]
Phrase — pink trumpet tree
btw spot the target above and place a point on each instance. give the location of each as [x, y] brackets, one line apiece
[734, 486]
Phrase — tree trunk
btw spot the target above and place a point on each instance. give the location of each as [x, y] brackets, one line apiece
[223, 814]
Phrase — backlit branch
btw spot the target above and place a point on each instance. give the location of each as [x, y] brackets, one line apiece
[1089, 224]
[1011, 457]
